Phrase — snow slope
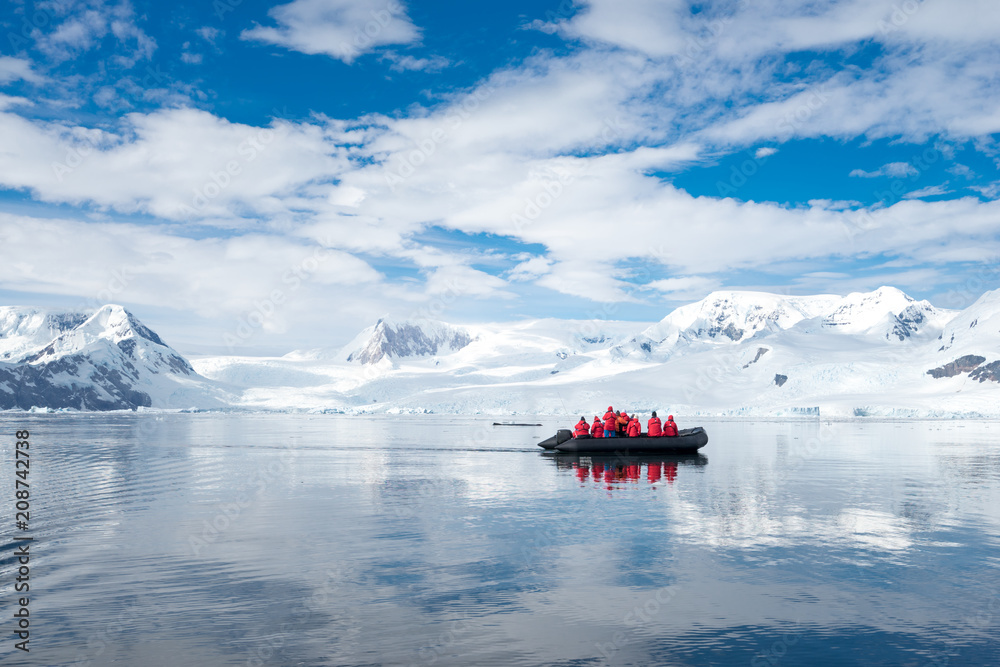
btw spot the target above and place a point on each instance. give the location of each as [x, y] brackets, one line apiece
[748, 353]
[878, 353]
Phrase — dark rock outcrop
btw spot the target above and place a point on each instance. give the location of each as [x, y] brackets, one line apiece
[990, 371]
[961, 365]
[761, 351]
[780, 380]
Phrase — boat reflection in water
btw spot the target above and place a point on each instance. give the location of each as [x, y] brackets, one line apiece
[615, 470]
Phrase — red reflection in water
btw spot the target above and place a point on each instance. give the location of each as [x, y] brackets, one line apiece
[621, 472]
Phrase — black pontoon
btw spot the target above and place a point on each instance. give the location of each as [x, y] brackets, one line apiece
[689, 440]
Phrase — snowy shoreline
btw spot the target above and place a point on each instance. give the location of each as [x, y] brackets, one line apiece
[890, 415]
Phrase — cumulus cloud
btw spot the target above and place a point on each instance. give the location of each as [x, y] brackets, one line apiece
[570, 155]
[75, 28]
[177, 164]
[343, 29]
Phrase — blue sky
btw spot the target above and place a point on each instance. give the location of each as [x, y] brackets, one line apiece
[256, 177]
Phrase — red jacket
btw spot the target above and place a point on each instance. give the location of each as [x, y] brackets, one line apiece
[597, 430]
[582, 428]
[655, 427]
[669, 427]
[610, 421]
[634, 428]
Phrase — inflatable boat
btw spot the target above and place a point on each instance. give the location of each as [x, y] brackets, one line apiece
[687, 441]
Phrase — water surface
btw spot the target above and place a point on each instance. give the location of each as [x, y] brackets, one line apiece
[213, 539]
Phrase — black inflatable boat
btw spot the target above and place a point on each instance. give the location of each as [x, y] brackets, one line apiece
[689, 440]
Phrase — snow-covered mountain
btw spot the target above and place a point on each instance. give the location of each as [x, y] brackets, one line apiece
[972, 340]
[732, 353]
[728, 317]
[396, 340]
[103, 360]
[747, 353]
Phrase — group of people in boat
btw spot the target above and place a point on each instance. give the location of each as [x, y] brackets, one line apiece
[621, 425]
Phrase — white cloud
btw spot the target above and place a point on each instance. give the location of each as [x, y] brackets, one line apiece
[17, 69]
[649, 26]
[891, 170]
[403, 63]
[80, 27]
[684, 287]
[343, 29]
[990, 191]
[7, 101]
[179, 164]
[457, 280]
[191, 58]
[962, 170]
[529, 269]
[209, 33]
[754, 28]
[556, 152]
[929, 191]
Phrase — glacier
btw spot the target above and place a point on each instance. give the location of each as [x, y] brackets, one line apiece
[732, 354]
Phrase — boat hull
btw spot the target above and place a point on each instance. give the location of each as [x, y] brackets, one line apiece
[687, 441]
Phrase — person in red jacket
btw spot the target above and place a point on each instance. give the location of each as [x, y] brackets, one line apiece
[582, 427]
[633, 427]
[654, 427]
[669, 427]
[597, 429]
[610, 424]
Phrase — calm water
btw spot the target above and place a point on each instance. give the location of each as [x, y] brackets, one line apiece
[325, 540]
